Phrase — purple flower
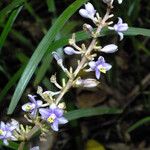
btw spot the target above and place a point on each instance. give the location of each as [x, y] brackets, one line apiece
[53, 115]
[120, 27]
[32, 106]
[6, 133]
[99, 66]
[88, 12]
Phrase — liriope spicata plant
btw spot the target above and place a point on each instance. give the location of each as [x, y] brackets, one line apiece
[47, 114]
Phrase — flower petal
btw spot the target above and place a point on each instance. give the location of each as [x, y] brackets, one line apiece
[120, 21]
[97, 74]
[54, 125]
[107, 66]
[39, 103]
[5, 142]
[100, 60]
[53, 106]
[58, 112]
[32, 98]
[121, 35]
[45, 113]
[90, 8]
[92, 65]
[62, 120]
[83, 13]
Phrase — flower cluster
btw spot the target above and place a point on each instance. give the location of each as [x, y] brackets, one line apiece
[7, 131]
[48, 112]
[51, 113]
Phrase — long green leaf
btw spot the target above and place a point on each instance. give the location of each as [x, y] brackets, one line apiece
[88, 112]
[132, 31]
[8, 26]
[40, 51]
[14, 4]
[11, 145]
[138, 124]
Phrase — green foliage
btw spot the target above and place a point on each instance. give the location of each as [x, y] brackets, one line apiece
[8, 26]
[88, 112]
[138, 124]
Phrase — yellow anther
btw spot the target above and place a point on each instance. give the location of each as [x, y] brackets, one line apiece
[51, 118]
[28, 108]
[103, 70]
[1, 132]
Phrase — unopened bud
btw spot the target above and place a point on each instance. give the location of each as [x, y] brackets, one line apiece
[108, 1]
[70, 51]
[111, 48]
[87, 28]
[87, 83]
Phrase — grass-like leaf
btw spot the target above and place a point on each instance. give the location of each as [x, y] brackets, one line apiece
[8, 26]
[139, 123]
[88, 112]
[14, 4]
[40, 51]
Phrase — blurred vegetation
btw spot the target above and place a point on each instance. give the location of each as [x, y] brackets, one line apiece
[31, 30]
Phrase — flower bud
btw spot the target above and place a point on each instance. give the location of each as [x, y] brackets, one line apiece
[87, 27]
[108, 1]
[120, 1]
[56, 56]
[35, 148]
[88, 12]
[87, 83]
[89, 7]
[70, 51]
[111, 48]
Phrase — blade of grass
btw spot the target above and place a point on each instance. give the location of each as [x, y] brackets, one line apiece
[4, 72]
[88, 112]
[8, 26]
[51, 5]
[138, 124]
[40, 51]
[11, 145]
[9, 8]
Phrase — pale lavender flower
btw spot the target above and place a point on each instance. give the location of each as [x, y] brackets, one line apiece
[32, 106]
[111, 48]
[120, 27]
[88, 12]
[99, 66]
[53, 115]
[14, 124]
[6, 133]
[70, 51]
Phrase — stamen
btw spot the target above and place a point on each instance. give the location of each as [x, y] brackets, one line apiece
[103, 70]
